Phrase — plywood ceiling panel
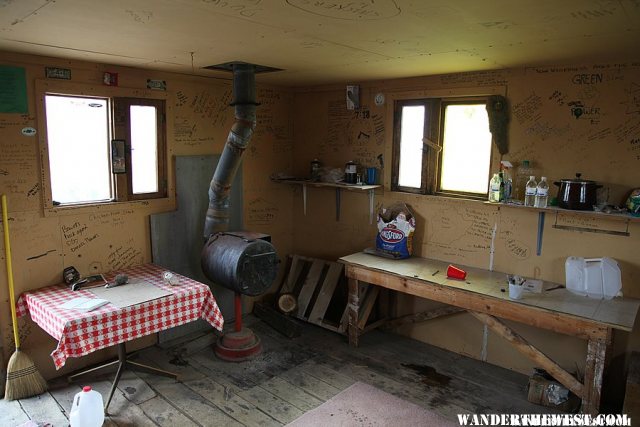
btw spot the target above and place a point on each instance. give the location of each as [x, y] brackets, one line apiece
[324, 41]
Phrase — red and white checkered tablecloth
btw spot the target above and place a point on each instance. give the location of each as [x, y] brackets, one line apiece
[80, 333]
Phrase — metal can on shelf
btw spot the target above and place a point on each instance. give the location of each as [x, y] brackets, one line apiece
[315, 170]
[350, 172]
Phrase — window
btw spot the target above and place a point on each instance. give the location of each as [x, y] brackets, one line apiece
[83, 166]
[442, 146]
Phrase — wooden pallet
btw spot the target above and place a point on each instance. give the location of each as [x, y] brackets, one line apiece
[314, 283]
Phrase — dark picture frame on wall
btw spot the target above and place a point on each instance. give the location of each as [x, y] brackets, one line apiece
[118, 156]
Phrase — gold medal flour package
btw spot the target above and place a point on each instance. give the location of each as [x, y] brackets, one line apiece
[396, 225]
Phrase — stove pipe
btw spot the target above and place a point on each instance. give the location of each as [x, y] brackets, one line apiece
[244, 101]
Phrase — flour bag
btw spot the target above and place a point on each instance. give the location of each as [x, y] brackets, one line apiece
[396, 225]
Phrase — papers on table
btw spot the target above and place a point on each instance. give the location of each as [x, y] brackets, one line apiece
[134, 292]
[84, 304]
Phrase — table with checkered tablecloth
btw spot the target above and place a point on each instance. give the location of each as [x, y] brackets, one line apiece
[80, 333]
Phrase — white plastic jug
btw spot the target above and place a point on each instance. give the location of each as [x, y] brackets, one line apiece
[87, 410]
[593, 277]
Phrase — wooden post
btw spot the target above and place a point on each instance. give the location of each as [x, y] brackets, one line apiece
[353, 307]
[593, 373]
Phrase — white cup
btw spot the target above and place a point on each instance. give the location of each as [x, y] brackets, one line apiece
[515, 291]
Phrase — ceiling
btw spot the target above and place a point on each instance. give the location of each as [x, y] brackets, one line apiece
[318, 41]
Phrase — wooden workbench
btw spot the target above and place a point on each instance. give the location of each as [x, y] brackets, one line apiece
[480, 294]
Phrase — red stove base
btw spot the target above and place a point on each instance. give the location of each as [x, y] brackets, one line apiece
[238, 346]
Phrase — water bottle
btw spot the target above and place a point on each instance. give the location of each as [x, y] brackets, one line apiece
[530, 191]
[87, 410]
[542, 193]
[494, 188]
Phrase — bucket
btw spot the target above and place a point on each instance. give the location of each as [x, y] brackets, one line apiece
[593, 277]
[87, 409]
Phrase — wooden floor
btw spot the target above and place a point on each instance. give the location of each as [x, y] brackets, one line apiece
[292, 376]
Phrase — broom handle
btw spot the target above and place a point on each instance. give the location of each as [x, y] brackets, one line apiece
[7, 257]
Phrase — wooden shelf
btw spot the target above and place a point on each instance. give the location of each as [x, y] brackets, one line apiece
[557, 210]
[338, 188]
[350, 187]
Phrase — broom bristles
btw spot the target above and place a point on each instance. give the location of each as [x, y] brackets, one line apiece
[23, 379]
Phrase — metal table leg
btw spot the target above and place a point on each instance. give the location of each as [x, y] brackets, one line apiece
[123, 363]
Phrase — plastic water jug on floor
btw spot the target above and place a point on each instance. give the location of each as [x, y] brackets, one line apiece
[87, 409]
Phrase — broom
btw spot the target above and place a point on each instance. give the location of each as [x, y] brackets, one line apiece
[23, 379]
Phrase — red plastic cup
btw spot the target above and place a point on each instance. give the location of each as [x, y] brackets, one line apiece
[454, 272]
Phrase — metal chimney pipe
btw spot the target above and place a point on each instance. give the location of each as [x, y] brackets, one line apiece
[244, 101]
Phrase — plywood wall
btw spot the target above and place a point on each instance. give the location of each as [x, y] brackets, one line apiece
[580, 118]
[117, 235]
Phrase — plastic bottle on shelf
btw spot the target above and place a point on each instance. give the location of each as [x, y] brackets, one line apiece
[530, 191]
[87, 410]
[494, 188]
[506, 178]
[522, 177]
[542, 193]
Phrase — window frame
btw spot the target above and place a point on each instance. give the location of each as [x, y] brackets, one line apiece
[431, 160]
[125, 180]
[163, 201]
[444, 102]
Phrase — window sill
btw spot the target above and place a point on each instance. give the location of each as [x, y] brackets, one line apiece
[156, 205]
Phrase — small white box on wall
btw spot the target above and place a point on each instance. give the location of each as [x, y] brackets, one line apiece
[353, 97]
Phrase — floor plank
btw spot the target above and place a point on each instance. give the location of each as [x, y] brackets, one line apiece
[164, 359]
[11, 413]
[276, 407]
[190, 403]
[134, 388]
[312, 385]
[230, 403]
[328, 375]
[291, 393]
[44, 408]
[63, 393]
[164, 414]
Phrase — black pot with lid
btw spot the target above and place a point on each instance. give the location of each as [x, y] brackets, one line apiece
[577, 193]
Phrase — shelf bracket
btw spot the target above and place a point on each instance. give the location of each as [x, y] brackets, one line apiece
[371, 206]
[304, 199]
[540, 232]
[338, 204]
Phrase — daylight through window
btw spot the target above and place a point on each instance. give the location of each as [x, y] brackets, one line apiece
[84, 165]
[442, 146]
